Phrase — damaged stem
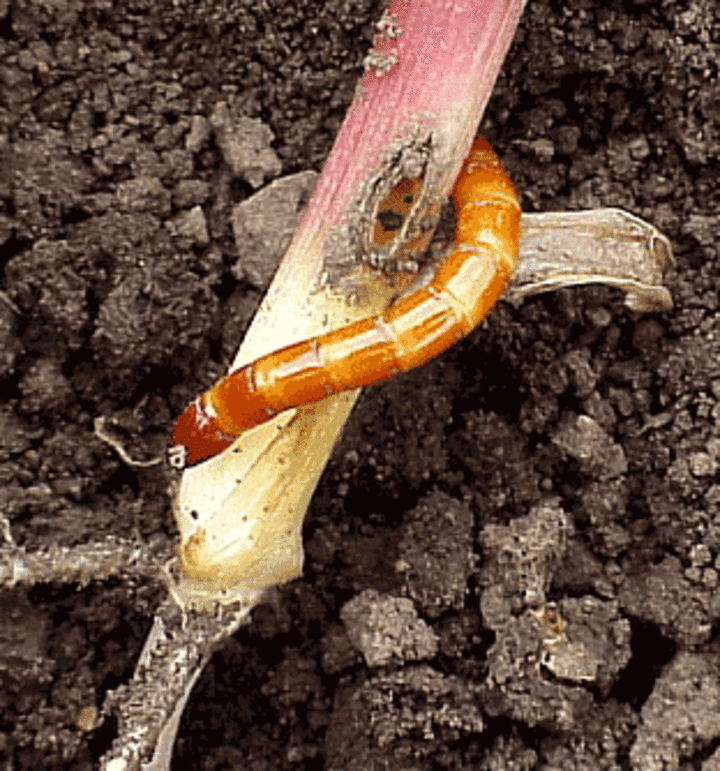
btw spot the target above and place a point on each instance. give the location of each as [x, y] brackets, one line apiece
[416, 109]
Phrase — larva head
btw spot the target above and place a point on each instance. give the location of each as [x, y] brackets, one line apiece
[196, 436]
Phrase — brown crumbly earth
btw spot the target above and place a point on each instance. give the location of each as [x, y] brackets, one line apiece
[513, 557]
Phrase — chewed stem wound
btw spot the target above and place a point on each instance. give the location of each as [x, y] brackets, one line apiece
[477, 269]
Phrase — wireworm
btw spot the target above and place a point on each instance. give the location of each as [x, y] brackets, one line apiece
[416, 328]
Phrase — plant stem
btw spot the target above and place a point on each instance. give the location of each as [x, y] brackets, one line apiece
[416, 109]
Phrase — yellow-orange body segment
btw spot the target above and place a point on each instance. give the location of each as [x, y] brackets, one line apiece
[463, 289]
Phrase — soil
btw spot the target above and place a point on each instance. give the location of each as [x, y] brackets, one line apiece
[512, 558]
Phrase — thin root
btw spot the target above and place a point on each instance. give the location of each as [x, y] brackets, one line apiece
[103, 435]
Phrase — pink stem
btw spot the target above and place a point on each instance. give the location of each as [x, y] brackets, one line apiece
[442, 69]
[431, 72]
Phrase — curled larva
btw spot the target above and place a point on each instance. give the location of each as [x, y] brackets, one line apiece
[410, 332]
[253, 446]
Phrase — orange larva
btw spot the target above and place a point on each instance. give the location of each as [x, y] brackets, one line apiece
[415, 329]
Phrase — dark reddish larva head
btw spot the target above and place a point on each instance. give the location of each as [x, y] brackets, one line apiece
[196, 436]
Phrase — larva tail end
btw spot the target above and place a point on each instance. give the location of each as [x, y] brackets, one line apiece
[196, 437]
[483, 180]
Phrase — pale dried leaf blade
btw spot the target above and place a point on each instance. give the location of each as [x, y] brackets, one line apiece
[606, 246]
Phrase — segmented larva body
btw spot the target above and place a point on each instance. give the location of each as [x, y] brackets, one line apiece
[415, 329]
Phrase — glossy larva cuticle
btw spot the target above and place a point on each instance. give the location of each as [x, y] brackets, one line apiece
[475, 272]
